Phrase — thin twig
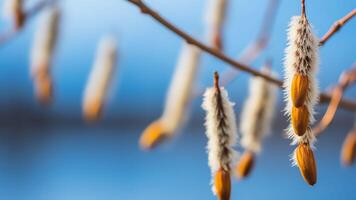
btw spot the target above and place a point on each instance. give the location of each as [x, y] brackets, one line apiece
[345, 81]
[11, 33]
[336, 27]
[218, 54]
[255, 48]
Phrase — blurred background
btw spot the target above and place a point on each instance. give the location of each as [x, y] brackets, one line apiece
[49, 152]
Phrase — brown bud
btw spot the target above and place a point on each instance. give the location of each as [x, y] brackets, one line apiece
[92, 109]
[300, 119]
[306, 163]
[19, 19]
[223, 184]
[245, 164]
[348, 148]
[152, 135]
[299, 89]
[43, 88]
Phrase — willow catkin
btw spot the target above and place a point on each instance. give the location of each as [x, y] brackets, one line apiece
[42, 53]
[301, 92]
[215, 17]
[256, 119]
[99, 79]
[177, 99]
[13, 9]
[301, 64]
[221, 131]
[257, 113]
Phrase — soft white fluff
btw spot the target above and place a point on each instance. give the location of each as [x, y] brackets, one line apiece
[215, 17]
[102, 71]
[257, 113]
[10, 8]
[45, 40]
[220, 130]
[301, 56]
[180, 90]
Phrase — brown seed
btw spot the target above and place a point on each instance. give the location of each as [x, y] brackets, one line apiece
[152, 135]
[19, 19]
[306, 163]
[348, 148]
[245, 164]
[223, 184]
[300, 119]
[299, 89]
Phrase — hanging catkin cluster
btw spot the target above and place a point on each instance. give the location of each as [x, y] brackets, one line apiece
[256, 119]
[177, 100]
[301, 92]
[222, 136]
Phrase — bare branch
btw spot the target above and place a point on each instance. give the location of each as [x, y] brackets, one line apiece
[218, 54]
[10, 34]
[336, 27]
[346, 80]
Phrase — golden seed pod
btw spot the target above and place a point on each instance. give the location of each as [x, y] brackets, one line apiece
[349, 148]
[43, 88]
[306, 163]
[245, 164]
[223, 184]
[299, 90]
[92, 109]
[152, 135]
[300, 119]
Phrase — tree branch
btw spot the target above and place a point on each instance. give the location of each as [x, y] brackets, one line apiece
[11, 33]
[346, 79]
[336, 27]
[218, 54]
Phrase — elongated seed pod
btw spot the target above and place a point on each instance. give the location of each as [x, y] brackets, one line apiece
[42, 52]
[177, 100]
[215, 16]
[13, 9]
[301, 63]
[100, 78]
[304, 158]
[221, 132]
[257, 113]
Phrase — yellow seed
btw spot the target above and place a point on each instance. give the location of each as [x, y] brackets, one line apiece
[306, 163]
[300, 119]
[245, 164]
[348, 152]
[152, 135]
[223, 184]
[43, 88]
[299, 89]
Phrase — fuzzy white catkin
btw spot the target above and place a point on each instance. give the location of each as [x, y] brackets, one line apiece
[10, 8]
[215, 17]
[221, 140]
[257, 113]
[45, 40]
[301, 56]
[180, 90]
[102, 71]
